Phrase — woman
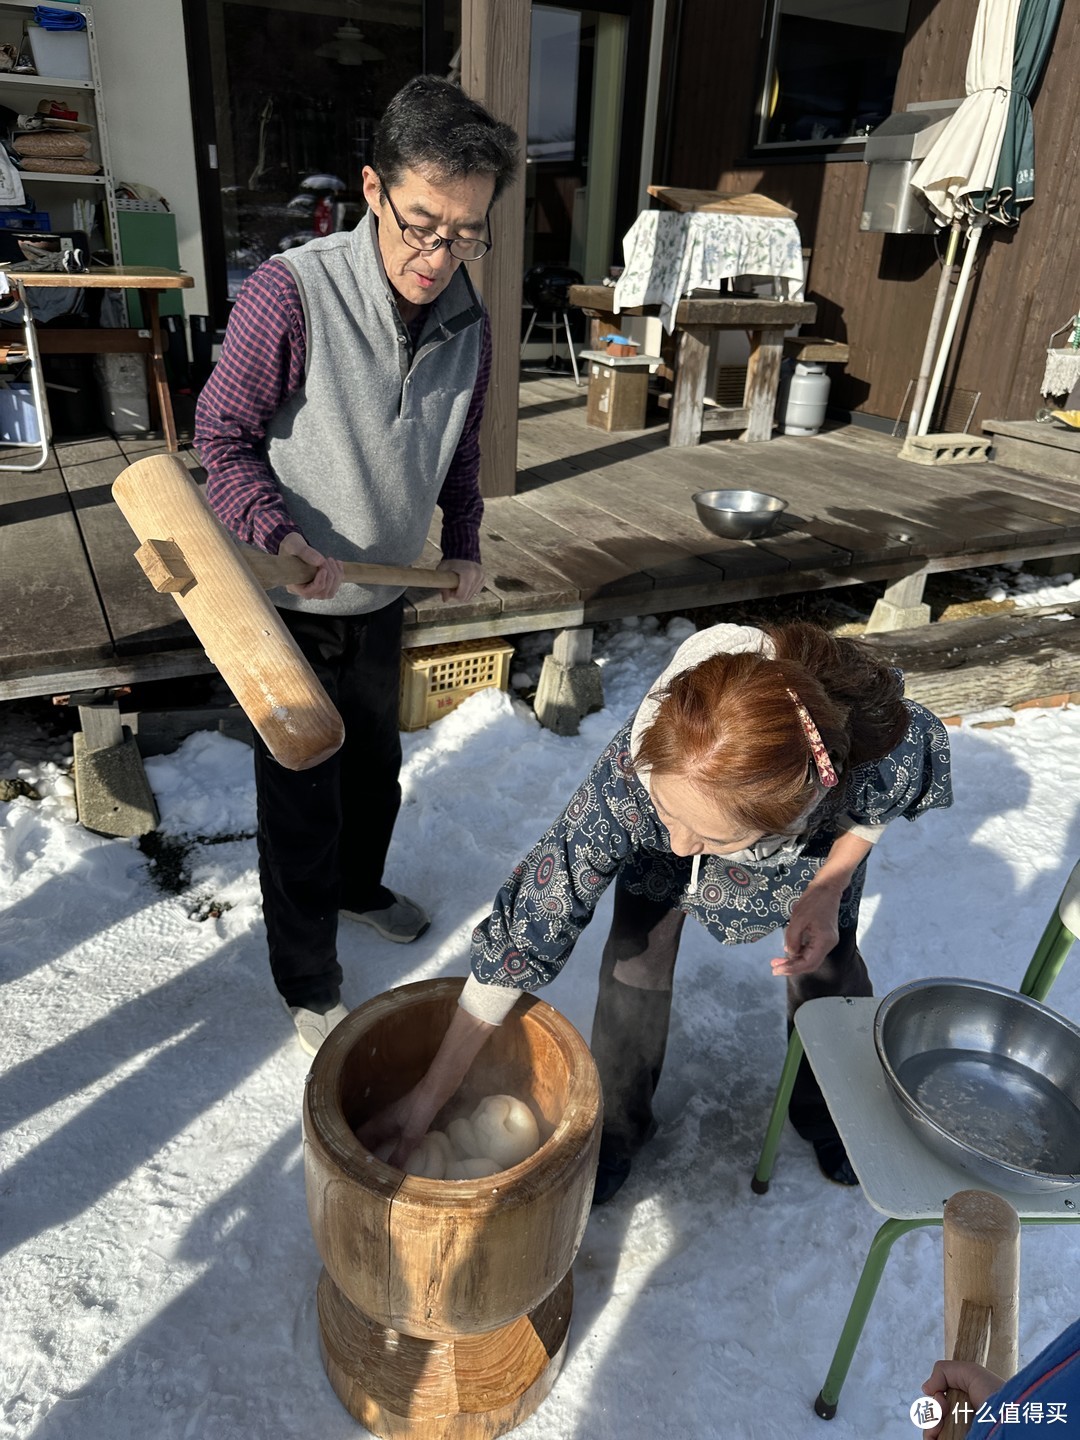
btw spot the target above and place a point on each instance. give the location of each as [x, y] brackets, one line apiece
[747, 791]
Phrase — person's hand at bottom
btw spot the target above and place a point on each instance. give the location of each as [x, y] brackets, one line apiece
[975, 1381]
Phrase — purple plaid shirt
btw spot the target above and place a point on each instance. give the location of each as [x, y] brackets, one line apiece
[261, 367]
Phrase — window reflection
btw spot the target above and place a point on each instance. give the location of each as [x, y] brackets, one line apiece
[298, 86]
[831, 69]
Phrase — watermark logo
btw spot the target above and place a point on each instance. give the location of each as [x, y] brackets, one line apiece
[925, 1412]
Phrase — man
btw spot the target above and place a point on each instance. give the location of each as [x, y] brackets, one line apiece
[345, 406]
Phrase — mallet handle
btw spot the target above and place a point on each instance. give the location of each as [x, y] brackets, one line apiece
[273, 570]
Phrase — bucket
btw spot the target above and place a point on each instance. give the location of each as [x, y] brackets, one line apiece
[803, 397]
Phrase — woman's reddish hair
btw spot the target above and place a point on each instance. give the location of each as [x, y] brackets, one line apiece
[729, 725]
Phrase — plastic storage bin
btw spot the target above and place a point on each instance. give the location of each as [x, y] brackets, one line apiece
[435, 679]
[18, 417]
[60, 54]
[25, 220]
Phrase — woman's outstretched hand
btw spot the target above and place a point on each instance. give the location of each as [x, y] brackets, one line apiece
[407, 1121]
[814, 927]
[811, 933]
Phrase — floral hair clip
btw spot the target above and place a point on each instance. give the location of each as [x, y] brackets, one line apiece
[824, 766]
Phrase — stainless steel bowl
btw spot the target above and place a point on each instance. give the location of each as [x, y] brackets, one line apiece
[988, 1079]
[738, 514]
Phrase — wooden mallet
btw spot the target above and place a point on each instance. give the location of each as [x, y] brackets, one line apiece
[220, 588]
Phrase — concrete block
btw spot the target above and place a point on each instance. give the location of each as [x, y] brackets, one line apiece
[953, 449]
[566, 693]
[887, 616]
[112, 792]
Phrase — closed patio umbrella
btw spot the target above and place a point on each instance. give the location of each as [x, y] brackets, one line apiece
[982, 168]
[963, 160]
[965, 156]
[1014, 179]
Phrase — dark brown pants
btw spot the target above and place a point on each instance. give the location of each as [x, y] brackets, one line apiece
[633, 1011]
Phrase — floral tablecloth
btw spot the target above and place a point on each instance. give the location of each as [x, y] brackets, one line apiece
[667, 254]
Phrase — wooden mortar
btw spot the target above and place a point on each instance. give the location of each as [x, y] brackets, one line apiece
[444, 1306]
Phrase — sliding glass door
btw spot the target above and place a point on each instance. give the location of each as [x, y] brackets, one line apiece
[586, 90]
[286, 95]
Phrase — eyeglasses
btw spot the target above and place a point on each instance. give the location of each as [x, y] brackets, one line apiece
[428, 241]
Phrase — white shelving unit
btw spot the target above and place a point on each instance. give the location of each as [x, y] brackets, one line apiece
[22, 93]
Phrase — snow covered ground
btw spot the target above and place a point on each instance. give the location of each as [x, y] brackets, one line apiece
[156, 1265]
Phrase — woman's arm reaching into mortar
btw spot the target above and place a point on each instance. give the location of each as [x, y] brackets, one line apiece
[409, 1118]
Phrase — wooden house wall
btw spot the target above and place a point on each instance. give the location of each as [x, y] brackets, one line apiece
[876, 291]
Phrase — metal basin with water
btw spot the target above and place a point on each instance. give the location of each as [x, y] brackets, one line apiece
[988, 1078]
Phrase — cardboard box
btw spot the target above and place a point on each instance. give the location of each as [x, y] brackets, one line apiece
[618, 394]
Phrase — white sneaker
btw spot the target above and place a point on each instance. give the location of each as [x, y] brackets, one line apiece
[313, 1026]
[402, 922]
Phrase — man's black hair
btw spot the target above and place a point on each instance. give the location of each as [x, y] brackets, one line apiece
[432, 126]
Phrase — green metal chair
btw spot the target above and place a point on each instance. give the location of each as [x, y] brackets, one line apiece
[899, 1176]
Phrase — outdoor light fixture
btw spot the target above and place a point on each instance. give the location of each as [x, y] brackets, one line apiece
[348, 47]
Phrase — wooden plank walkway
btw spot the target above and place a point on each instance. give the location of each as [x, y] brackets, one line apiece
[603, 526]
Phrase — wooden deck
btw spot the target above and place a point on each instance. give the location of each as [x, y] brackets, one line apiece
[603, 526]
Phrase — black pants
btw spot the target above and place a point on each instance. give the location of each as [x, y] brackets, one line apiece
[633, 1011]
[324, 832]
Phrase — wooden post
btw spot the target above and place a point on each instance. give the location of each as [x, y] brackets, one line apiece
[574, 647]
[101, 727]
[763, 381]
[982, 1267]
[495, 71]
[688, 396]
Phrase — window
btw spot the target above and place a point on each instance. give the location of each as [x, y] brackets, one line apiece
[286, 96]
[830, 71]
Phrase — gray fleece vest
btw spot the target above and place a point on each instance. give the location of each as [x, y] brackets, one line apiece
[362, 449]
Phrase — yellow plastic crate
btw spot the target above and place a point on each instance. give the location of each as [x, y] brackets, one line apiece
[435, 679]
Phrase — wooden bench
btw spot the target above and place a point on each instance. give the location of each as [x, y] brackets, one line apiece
[697, 321]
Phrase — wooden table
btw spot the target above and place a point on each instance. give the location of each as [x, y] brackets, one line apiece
[148, 281]
[696, 322]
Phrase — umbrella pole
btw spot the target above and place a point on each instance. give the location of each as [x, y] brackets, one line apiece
[974, 235]
[923, 382]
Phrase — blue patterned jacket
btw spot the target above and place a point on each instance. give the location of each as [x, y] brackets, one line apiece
[610, 825]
